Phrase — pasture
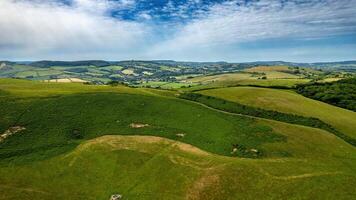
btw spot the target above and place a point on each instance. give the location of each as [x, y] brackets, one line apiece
[289, 102]
[89, 142]
[146, 167]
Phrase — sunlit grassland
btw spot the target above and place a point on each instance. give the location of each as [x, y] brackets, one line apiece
[78, 144]
[289, 102]
[141, 167]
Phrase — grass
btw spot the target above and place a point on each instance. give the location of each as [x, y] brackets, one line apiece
[79, 145]
[112, 68]
[166, 85]
[131, 165]
[327, 80]
[16, 69]
[51, 121]
[274, 78]
[290, 102]
[25, 74]
[280, 75]
[153, 84]
[128, 71]
[25, 88]
[233, 107]
[175, 85]
[274, 72]
[237, 108]
[221, 77]
[274, 82]
[269, 83]
[49, 72]
[268, 69]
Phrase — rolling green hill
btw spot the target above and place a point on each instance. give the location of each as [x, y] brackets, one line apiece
[290, 102]
[146, 167]
[79, 141]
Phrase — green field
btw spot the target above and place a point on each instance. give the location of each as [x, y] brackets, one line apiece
[290, 102]
[166, 85]
[274, 79]
[142, 167]
[274, 82]
[89, 142]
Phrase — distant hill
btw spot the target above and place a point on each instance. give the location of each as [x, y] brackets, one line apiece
[316, 64]
[47, 63]
[7, 62]
[138, 71]
[347, 65]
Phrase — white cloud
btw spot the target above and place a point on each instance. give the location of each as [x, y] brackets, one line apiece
[48, 29]
[40, 28]
[229, 23]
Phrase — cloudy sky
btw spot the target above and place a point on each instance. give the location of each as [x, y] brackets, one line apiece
[195, 30]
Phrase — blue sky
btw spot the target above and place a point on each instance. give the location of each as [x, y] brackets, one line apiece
[195, 30]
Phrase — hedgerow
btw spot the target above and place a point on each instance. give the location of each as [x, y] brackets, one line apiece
[237, 108]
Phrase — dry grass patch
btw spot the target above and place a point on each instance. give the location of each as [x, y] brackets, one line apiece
[138, 143]
[268, 68]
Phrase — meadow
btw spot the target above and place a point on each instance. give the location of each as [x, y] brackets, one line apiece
[88, 142]
[289, 102]
[244, 110]
[52, 121]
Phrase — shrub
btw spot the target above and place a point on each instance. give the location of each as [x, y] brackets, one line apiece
[340, 93]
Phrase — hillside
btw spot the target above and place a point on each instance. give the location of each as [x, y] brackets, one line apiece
[289, 102]
[177, 100]
[80, 141]
[145, 167]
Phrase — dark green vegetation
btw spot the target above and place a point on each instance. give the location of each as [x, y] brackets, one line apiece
[58, 122]
[339, 93]
[234, 107]
[84, 141]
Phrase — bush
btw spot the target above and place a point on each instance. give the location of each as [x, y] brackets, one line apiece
[340, 93]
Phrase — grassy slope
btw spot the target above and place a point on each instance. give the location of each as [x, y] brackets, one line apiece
[275, 82]
[25, 88]
[51, 121]
[318, 165]
[165, 85]
[143, 167]
[290, 102]
[233, 79]
[221, 77]
[268, 69]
